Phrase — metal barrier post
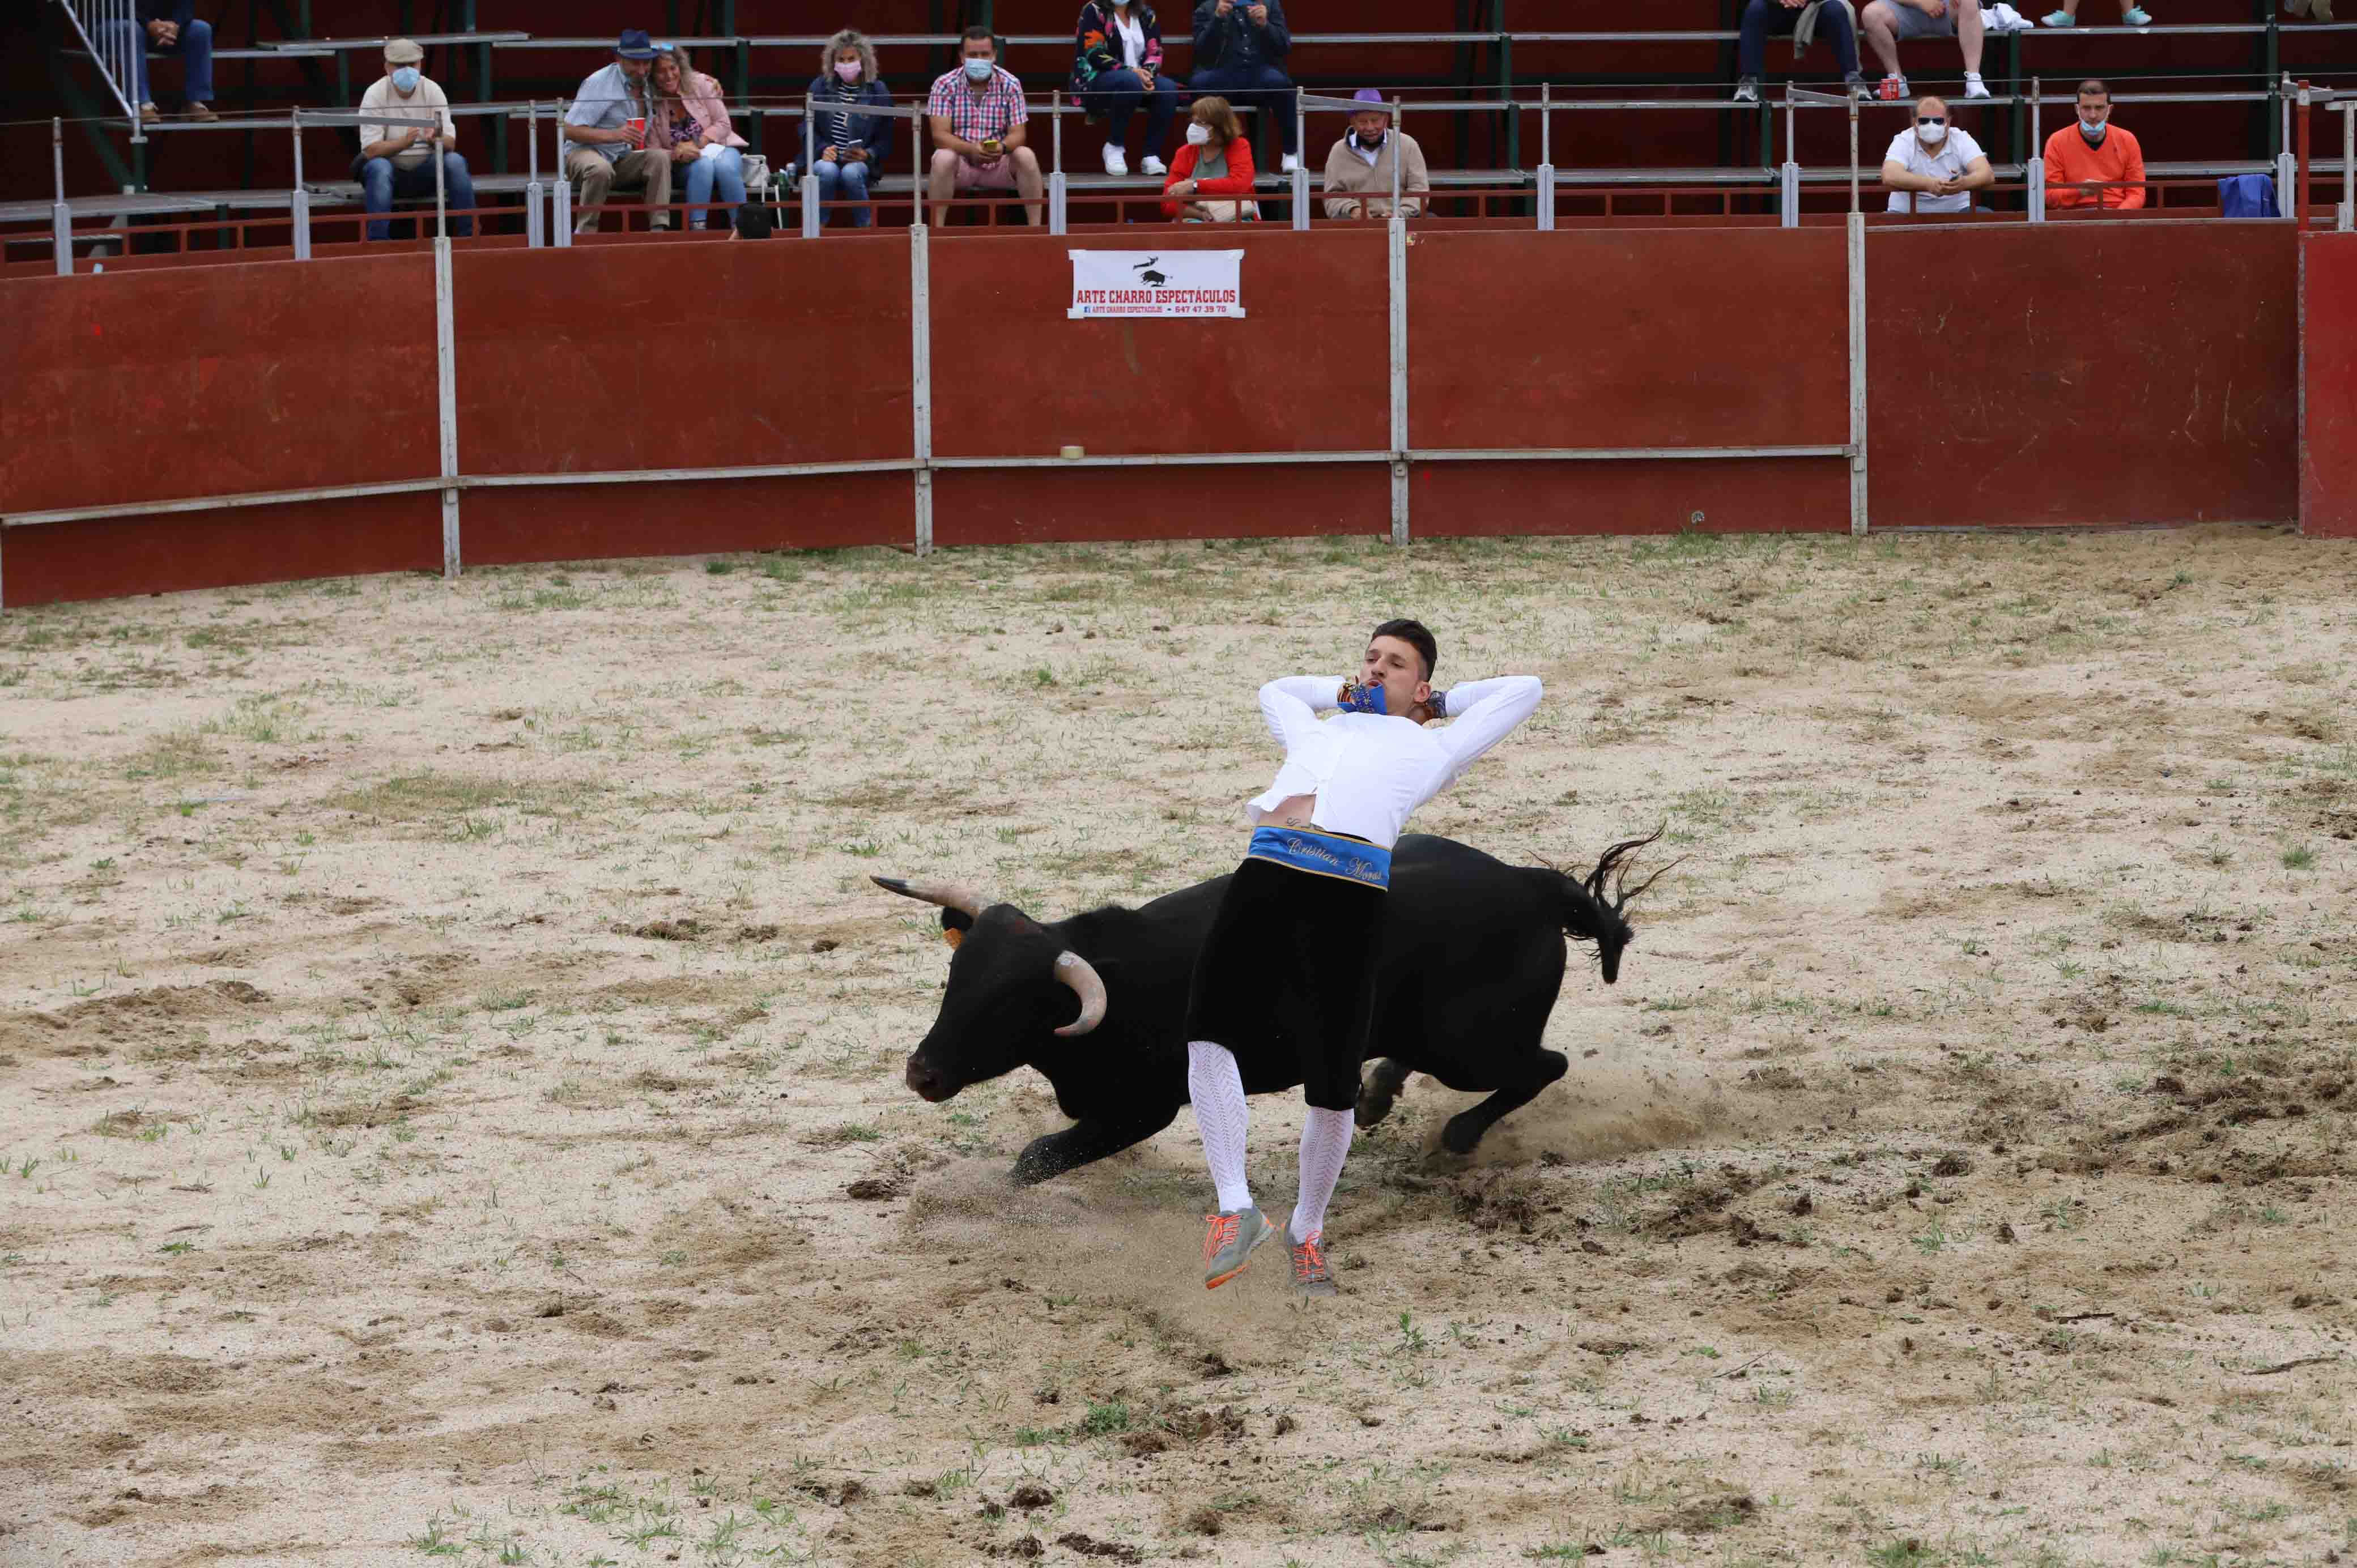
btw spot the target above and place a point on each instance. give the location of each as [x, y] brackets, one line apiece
[920, 372]
[2286, 165]
[1054, 175]
[1055, 168]
[560, 191]
[811, 214]
[1396, 229]
[445, 370]
[441, 195]
[1857, 509]
[299, 202]
[1398, 121]
[1301, 169]
[2349, 166]
[535, 217]
[62, 215]
[1545, 170]
[2299, 213]
[1853, 167]
[1790, 174]
[2033, 167]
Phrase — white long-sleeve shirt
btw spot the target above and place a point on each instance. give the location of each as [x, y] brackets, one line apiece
[1371, 771]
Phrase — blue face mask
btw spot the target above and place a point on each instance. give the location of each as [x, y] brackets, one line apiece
[1354, 698]
[404, 79]
[979, 69]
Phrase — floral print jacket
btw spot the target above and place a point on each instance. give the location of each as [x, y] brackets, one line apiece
[1096, 43]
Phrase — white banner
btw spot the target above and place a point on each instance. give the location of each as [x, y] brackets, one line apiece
[1156, 282]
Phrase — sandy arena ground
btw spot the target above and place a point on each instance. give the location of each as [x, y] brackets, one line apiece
[441, 1026]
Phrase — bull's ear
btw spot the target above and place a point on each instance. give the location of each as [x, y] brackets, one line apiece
[955, 924]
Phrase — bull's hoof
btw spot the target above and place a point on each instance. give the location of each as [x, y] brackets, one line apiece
[1031, 1168]
[1373, 1107]
[1463, 1134]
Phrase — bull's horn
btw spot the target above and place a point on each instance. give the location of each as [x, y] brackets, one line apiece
[948, 894]
[1076, 971]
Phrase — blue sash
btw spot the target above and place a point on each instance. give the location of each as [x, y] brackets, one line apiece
[1323, 854]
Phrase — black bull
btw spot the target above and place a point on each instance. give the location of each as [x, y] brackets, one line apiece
[1472, 962]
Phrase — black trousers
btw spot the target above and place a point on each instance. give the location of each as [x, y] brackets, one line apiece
[1287, 978]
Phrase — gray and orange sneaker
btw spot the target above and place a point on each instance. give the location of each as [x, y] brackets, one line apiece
[1310, 1274]
[1228, 1244]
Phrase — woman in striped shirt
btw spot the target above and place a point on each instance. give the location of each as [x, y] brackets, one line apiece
[848, 147]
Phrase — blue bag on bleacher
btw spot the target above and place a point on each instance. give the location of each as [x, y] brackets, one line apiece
[2247, 196]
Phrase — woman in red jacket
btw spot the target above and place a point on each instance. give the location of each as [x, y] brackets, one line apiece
[1211, 179]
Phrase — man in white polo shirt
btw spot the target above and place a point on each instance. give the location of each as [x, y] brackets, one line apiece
[1933, 167]
[393, 160]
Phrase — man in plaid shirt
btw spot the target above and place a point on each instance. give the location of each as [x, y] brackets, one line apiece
[976, 114]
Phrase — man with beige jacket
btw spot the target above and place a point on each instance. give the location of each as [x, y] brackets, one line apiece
[1359, 169]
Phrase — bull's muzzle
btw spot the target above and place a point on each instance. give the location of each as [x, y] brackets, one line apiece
[930, 1084]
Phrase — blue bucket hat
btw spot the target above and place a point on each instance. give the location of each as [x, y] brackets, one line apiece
[633, 45]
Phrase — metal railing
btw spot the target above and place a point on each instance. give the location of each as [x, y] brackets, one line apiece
[548, 212]
[111, 30]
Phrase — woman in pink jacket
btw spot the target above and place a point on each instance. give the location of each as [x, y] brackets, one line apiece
[692, 123]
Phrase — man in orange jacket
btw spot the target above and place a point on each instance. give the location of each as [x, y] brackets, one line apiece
[2094, 150]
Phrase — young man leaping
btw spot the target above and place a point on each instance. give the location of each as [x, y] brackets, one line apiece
[1287, 971]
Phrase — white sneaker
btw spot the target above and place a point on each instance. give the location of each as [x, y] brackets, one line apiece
[1116, 160]
[1149, 164]
[1287, 164]
[1975, 87]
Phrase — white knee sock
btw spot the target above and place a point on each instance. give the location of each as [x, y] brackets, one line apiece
[1217, 1090]
[1325, 1142]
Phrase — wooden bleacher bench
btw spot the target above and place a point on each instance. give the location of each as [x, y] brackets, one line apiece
[347, 192]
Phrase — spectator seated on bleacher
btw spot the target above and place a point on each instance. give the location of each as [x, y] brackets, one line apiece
[396, 161]
[604, 139]
[172, 27]
[1117, 66]
[976, 114]
[690, 125]
[2094, 151]
[1240, 50]
[2131, 15]
[1360, 167]
[2322, 9]
[1934, 167]
[1885, 22]
[1213, 180]
[847, 148]
[1800, 20]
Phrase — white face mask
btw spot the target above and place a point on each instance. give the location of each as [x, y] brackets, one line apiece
[2092, 129]
[1198, 133]
[1931, 135]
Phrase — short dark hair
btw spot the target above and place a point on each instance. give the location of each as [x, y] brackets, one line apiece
[1416, 636]
[978, 35]
[2093, 84]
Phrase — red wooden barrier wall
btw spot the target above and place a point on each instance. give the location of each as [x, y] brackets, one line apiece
[1625, 337]
[2067, 374]
[217, 381]
[1307, 369]
[2328, 440]
[641, 356]
[2081, 373]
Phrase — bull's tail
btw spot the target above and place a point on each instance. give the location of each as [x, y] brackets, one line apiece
[1592, 908]
[1586, 919]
